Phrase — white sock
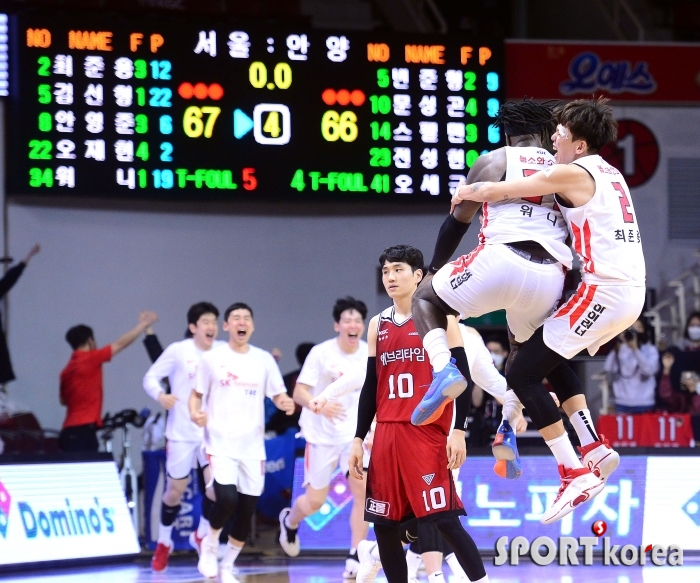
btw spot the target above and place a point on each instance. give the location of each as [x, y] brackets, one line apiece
[455, 567]
[435, 344]
[230, 555]
[564, 452]
[203, 527]
[352, 551]
[165, 535]
[581, 420]
[375, 552]
[413, 562]
[213, 535]
[512, 407]
[436, 577]
[484, 579]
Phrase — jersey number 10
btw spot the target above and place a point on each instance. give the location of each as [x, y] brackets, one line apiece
[404, 384]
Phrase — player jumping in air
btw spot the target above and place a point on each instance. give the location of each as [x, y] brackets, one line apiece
[596, 203]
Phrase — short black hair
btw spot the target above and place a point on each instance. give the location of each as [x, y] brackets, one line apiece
[590, 120]
[237, 306]
[402, 254]
[528, 118]
[302, 351]
[348, 303]
[197, 310]
[505, 345]
[79, 335]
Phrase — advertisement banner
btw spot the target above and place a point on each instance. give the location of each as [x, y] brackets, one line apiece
[633, 72]
[51, 512]
[647, 430]
[497, 507]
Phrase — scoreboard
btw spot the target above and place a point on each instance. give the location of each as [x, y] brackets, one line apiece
[138, 106]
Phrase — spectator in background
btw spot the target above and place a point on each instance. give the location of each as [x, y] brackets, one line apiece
[278, 421]
[679, 385]
[81, 383]
[6, 283]
[632, 366]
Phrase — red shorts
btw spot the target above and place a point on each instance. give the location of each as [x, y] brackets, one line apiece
[408, 474]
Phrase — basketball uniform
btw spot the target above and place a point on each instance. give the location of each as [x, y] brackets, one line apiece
[606, 237]
[494, 276]
[408, 472]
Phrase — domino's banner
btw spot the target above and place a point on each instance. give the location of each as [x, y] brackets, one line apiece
[644, 502]
[51, 512]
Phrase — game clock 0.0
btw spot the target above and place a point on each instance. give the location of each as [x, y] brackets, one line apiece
[132, 106]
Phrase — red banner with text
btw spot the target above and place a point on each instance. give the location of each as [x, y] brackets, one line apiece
[630, 72]
[647, 430]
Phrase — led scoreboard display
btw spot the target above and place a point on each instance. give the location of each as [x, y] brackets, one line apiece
[116, 105]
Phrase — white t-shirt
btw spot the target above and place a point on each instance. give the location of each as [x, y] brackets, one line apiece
[234, 387]
[178, 363]
[324, 364]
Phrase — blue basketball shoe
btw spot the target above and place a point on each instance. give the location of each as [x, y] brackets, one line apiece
[505, 450]
[447, 385]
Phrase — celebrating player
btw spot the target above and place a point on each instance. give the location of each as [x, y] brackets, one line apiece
[178, 363]
[329, 436]
[233, 379]
[598, 209]
[517, 266]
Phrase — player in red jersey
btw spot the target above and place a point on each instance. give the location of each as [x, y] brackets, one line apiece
[409, 472]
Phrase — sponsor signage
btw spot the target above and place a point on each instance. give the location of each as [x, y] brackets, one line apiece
[642, 504]
[59, 511]
[632, 72]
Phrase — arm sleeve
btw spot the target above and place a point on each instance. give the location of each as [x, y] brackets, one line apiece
[274, 385]
[448, 239]
[463, 403]
[153, 346]
[352, 380]
[161, 368]
[367, 407]
[10, 278]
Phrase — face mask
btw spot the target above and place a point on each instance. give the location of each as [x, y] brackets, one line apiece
[499, 358]
[694, 332]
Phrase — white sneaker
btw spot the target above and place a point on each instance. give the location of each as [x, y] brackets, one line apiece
[195, 541]
[228, 574]
[352, 565]
[577, 486]
[289, 540]
[600, 458]
[369, 566]
[208, 564]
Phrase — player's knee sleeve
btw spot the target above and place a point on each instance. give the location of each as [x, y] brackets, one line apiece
[226, 499]
[409, 531]
[391, 552]
[428, 537]
[242, 517]
[207, 505]
[463, 546]
[168, 514]
[564, 382]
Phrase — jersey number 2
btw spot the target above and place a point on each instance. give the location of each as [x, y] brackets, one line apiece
[627, 216]
[404, 383]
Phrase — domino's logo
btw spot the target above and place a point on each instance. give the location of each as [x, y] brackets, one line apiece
[4, 509]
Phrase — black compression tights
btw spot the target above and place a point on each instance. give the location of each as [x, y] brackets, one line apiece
[463, 546]
[391, 553]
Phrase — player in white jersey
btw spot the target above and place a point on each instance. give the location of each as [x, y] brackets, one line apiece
[178, 363]
[597, 206]
[329, 436]
[232, 381]
[518, 265]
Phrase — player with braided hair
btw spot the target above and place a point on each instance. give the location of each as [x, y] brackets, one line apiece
[518, 266]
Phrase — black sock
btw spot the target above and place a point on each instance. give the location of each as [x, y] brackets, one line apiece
[168, 514]
[391, 553]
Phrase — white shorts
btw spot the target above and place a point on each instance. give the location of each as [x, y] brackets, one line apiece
[321, 461]
[492, 278]
[182, 457]
[247, 475]
[592, 317]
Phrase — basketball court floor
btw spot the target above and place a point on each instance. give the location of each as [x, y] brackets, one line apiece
[325, 570]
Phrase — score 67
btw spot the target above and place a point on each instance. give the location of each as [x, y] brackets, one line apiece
[193, 121]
